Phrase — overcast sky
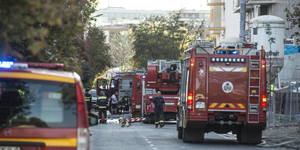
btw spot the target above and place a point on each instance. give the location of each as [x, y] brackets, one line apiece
[155, 4]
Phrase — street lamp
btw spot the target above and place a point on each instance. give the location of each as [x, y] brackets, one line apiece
[87, 22]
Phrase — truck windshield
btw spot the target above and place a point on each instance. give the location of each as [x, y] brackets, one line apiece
[32, 103]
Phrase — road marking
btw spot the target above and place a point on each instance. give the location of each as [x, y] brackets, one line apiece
[154, 148]
[151, 145]
[146, 139]
[149, 142]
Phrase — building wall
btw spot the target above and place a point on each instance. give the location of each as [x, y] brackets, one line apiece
[288, 72]
[232, 24]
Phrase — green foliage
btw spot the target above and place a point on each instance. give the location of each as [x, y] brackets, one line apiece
[97, 54]
[269, 33]
[212, 37]
[163, 37]
[121, 51]
[294, 18]
[89, 8]
[45, 31]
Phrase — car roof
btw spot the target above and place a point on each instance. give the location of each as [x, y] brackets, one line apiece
[40, 74]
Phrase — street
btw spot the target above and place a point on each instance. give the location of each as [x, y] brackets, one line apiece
[147, 137]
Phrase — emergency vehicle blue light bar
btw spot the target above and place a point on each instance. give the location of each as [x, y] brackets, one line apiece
[6, 64]
[117, 74]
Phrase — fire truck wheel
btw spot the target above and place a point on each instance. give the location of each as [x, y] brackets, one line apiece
[193, 135]
[249, 136]
[179, 132]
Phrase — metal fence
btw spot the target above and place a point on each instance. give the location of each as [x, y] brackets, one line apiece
[286, 103]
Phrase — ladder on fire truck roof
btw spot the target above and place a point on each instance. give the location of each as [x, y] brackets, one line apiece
[254, 95]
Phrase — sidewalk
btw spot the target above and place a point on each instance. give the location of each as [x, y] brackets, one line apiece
[284, 136]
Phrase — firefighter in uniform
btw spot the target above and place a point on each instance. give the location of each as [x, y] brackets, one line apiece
[158, 109]
[102, 103]
[126, 103]
[88, 99]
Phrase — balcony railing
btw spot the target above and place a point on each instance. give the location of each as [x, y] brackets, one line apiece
[215, 2]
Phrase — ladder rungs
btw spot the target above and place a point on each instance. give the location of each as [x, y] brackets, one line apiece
[254, 86]
[254, 95]
[253, 104]
[251, 113]
[254, 60]
[254, 69]
[254, 77]
[253, 121]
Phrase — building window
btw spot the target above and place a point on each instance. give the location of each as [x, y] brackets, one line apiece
[264, 10]
[211, 15]
[254, 31]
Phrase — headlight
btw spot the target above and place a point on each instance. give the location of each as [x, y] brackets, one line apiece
[217, 59]
[243, 60]
[229, 59]
[221, 59]
[213, 59]
[225, 59]
[233, 59]
[238, 60]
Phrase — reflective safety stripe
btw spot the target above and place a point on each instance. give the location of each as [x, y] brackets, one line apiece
[87, 99]
[102, 98]
[123, 106]
[67, 142]
[105, 118]
[161, 121]
[102, 106]
[100, 119]
[156, 122]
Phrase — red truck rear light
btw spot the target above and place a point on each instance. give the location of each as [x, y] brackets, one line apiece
[190, 100]
[132, 97]
[264, 101]
[263, 65]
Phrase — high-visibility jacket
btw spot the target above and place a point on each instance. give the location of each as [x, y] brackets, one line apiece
[102, 102]
[88, 99]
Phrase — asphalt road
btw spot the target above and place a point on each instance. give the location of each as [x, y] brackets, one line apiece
[142, 136]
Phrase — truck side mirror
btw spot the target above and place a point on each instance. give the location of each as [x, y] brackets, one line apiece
[138, 85]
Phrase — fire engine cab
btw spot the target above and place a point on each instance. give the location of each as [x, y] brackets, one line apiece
[222, 90]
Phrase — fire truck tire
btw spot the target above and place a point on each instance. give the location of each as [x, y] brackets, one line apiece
[192, 135]
[249, 136]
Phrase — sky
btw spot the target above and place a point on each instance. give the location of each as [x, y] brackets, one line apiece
[155, 4]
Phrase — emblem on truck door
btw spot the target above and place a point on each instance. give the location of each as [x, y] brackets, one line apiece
[227, 87]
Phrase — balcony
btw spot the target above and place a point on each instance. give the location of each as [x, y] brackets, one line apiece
[215, 2]
[250, 3]
[261, 2]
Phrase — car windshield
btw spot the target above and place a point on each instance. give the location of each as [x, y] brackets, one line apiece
[37, 103]
[93, 93]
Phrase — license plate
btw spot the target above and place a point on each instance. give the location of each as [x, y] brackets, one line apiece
[138, 106]
[200, 105]
[169, 103]
[94, 98]
[9, 148]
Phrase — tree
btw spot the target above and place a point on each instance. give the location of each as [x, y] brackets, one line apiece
[97, 53]
[44, 31]
[294, 18]
[271, 54]
[121, 51]
[162, 37]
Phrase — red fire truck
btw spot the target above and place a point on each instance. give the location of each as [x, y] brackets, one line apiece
[222, 90]
[164, 76]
